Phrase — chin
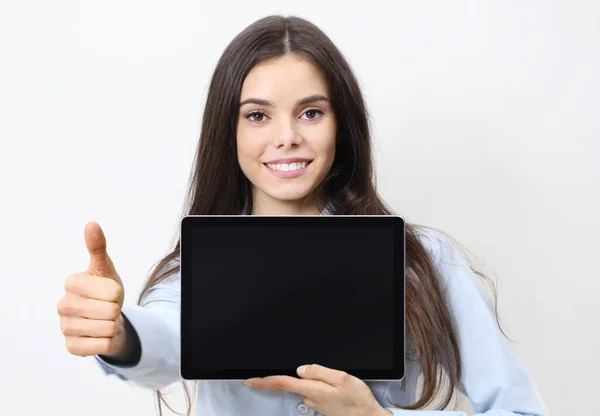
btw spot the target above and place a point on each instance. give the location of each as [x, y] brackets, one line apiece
[294, 189]
[287, 194]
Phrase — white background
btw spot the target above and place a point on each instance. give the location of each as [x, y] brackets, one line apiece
[485, 117]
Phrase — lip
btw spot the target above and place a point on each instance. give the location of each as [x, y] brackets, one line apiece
[288, 174]
[289, 160]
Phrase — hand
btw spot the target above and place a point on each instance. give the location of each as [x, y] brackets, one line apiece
[329, 392]
[90, 311]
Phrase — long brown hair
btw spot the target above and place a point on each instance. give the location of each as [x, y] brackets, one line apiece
[218, 186]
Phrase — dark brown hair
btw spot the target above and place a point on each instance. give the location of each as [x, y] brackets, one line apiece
[218, 186]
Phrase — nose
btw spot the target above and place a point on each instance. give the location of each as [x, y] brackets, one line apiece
[287, 135]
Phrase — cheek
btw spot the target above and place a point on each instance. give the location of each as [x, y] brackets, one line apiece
[250, 143]
[324, 142]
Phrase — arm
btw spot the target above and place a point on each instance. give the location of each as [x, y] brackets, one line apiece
[156, 327]
[493, 378]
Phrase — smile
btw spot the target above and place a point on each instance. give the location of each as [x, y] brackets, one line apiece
[288, 170]
[287, 167]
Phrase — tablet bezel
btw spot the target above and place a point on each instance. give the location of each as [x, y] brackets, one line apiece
[189, 222]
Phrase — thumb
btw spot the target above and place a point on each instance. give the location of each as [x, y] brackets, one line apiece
[100, 262]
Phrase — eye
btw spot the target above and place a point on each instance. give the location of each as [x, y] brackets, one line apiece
[312, 114]
[256, 116]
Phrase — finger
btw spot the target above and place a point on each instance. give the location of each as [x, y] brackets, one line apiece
[94, 287]
[327, 375]
[82, 327]
[95, 241]
[77, 306]
[310, 403]
[86, 346]
[316, 390]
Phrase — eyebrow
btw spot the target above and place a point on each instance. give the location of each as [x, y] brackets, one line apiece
[309, 99]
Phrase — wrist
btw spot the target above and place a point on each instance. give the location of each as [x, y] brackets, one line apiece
[119, 342]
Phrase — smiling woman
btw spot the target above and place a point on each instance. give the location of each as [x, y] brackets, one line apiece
[285, 132]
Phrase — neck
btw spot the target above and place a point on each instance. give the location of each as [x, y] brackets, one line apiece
[264, 205]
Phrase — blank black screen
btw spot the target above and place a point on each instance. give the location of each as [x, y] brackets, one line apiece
[270, 298]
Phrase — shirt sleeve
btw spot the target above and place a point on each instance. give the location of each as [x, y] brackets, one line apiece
[156, 323]
[493, 378]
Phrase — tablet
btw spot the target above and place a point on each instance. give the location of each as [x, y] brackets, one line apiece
[262, 295]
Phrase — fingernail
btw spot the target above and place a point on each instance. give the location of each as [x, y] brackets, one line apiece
[248, 383]
[302, 369]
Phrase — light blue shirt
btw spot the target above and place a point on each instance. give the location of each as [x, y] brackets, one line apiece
[493, 377]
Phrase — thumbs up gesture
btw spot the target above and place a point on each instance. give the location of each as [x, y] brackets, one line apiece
[90, 310]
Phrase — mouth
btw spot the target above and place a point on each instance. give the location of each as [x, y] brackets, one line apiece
[288, 165]
[289, 168]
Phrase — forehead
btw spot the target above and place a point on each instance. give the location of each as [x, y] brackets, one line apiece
[287, 77]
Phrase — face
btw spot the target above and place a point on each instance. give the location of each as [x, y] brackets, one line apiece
[286, 129]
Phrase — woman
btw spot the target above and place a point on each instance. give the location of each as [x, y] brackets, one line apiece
[285, 132]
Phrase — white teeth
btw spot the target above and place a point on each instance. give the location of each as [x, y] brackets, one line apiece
[285, 167]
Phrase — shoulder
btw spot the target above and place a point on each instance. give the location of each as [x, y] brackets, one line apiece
[441, 248]
[167, 287]
[454, 269]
